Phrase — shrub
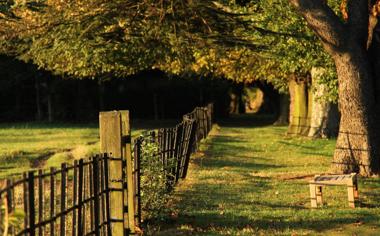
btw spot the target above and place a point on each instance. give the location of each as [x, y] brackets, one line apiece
[153, 181]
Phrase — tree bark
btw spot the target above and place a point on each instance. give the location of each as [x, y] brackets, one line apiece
[298, 122]
[357, 145]
[323, 116]
[357, 148]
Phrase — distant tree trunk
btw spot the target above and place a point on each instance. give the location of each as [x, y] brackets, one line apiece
[38, 98]
[50, 93]
[155, 106]
[237, 104]
[324, 115]
[270, 104]
[101, 95]
[241, 101]
[234, 103]
[298, 122]
[50, 108]
[283, 117]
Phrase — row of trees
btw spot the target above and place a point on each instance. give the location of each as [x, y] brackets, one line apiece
[244, 41]
[28, 94]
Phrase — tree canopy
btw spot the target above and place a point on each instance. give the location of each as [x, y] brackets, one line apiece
[242, 40]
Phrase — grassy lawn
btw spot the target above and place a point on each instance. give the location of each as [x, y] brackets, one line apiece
[26, 145]
[250, 179]
[34, 145]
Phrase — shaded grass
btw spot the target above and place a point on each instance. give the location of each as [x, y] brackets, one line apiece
[252, 180]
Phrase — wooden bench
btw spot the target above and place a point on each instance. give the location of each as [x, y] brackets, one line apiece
[324, 180]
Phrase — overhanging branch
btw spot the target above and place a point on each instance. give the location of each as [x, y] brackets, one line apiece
[325, 23]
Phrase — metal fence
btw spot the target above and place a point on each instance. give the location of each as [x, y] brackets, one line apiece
[175, 146]
[204, 117]
[70, 200]
[76, 199]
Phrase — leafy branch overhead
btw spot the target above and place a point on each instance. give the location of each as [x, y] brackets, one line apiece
[100, 38]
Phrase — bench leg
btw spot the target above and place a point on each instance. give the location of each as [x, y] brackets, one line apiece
[313, 195]
[351, 196]
[319, 195]
[356, 190]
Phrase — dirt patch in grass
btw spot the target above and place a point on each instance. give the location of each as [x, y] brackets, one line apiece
[40, 161]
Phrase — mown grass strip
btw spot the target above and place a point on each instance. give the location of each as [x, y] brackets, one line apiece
[253, 180]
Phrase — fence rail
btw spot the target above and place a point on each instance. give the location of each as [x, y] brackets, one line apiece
[77, 200]
[70, 200]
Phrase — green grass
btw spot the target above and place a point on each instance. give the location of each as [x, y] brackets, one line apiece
[24, 146]
[252, 180]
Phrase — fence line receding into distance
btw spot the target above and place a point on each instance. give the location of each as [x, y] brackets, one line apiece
[78, 199]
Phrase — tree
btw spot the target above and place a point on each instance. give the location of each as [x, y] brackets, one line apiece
[254, 40]
[356, 54]
[99, 38]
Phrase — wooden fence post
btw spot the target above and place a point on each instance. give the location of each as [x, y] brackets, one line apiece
[110, 143]
[115, 139]
[129, 191]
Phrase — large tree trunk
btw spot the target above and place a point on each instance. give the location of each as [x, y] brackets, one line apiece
[357, 148]
[358, 144]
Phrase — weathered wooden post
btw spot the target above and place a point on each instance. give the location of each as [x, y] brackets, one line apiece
[115, 140]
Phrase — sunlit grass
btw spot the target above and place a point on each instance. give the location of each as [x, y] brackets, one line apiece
[27, 145]
[254, 181]
[24, 146]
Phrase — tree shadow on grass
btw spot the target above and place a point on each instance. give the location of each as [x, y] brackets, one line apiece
[228, 139]
[247, 120]
[314, 150]
[229, 146]
[214, 223]
[244, 166]
[299, 145]
[216, 204]
[370, 197]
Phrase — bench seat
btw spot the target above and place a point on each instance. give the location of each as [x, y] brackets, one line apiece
[349, 180]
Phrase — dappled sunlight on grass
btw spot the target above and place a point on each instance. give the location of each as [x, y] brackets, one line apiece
[254, 181]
